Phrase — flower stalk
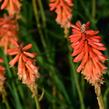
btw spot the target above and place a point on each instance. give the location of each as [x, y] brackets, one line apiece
[99, 97]
[5, 101]
[38, 23]
[37, 102]
[42, 13]
[36, 99]
[93, 9]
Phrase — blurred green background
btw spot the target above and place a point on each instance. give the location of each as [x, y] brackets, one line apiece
[63, 87]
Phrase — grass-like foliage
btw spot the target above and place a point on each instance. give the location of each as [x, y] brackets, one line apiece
[54, 54]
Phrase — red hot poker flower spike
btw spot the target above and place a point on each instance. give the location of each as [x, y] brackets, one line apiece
[8, 32]
[63, 9]
[87, 49]
[12, 6]
[27, 71]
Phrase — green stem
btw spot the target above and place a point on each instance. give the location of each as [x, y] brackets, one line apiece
[6, 103]
[5, 100]
[7, 66]
[37, 102]
[93, 9]
[87, 12]
[99, 97]
[38, 23]
[43, 16]
[42, 13]
[34, 91]
[85, 9]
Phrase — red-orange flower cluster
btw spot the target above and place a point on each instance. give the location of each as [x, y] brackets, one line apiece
[2, 76]
[12, 6]
[27, 71]
[87, 49]
[63, 9]
[8, 32]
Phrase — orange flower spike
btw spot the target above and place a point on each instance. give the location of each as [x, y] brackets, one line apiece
[63, 11]
[8, 32]
[12, 6]
[27, 71]
[87, 49]
[31, 68]
[20, 50]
